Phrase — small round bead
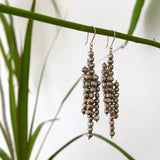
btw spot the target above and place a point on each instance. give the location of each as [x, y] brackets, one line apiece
[103, 71]
[110, 67]
[90, 59]
[91, 95]
[116, 95]
[96, 112]
[91, 65]
[106, 111]
[111, 122]
[116, 89]
[104, 78]
[86, 90]
[85, 100]
[90, 101]
[109, 84]
[86, 84]
[104, 84]
[97, 95]
[90, 124]
[96, 106]
[90, 107]
[116, 116]
[88, 112]
[87, 77]
[90, 130]
[104, 65]
[97, 89]
[84, 69]
[116, 105]
[83, 111]
[116, 100]
[95, 77]
[110, 61]
[90, 118]
[110, 73]
[116, 84]
[92, 89]
[89, 135]
[97, 101]
[110, 79]
[96, 118]
[85, 95]
[112, 133]
[90, 53]
[91, 71]
[110, 56]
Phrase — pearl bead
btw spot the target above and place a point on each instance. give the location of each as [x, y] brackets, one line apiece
[90, 130]
[88, 112]
[110, 61]
[84, 69]
[96, 118]
[93, 89]
[90, 53]
[110, 67]
[83, 111]
[91, 95]
[85, 95]
[104, 65]
[90, 101]
[90, 107]
[91, 71]
[109, 84]
[110, 79]
[90, 124]
[110, 56]
[89, 135]
[91, 65]
[97, 95]
[95, 77]
[104, 78]
[111, 122]
[91, 59]
[112, 133]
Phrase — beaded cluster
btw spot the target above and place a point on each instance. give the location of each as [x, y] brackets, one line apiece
[110, 91]
[90, 93]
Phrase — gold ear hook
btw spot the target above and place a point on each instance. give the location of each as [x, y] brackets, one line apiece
[107, 42]
[113, 40]
[91, 43]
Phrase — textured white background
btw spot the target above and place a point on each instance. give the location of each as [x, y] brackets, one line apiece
[136, 68]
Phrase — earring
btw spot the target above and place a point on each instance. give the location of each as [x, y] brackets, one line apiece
[90, 89]
[110, 89]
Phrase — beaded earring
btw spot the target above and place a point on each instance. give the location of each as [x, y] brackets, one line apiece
[110, 90]
[90, 89]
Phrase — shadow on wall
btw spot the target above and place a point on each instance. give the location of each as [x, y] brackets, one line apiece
[152, 20]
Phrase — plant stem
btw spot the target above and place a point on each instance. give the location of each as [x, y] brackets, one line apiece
[72, 25]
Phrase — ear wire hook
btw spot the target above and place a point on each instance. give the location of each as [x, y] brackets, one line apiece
[91, 43]
[112, 41]
[107, 42]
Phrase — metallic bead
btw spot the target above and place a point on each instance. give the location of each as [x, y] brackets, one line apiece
[106, 111]
[96, 112]
[86, 84]
[92, 89]
[103, 71]
[84, 69]
[116, 84]
[85, 95]
[104, 65]
[89, 135]
[90, 107]
[93, 83]
[104, 78]
[91, 71]
[110, 79]
[86, 90]
[95, 77]
[88, 112]
[104, 84]
[116, 105]
[110, 61]
[97, 95]
[90, 59]
[96, 118]
[91, 53]
[110, 73]
[116, 95]
[90, 130]
[83, 111]
[97, 101]
[110, 56]
[91, 65]
[96, 106]
[98, 89]
[111, 122]
[90, 101]
[87, 77]
[109, 84]
[91, 95]
[112, 133]
[90, 118]
[110, 67]
[116, 89]
[90, 124]
[116, 100]
[85, 100]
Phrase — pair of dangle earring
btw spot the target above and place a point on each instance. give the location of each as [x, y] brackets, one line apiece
[90, 90]
[110, 90]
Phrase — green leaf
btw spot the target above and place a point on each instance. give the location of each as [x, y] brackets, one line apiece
[56, 7]
[59, 109]
[4, 155]
[98, 136]
[10, 35]
[23, 91]
[64, 146]
[6, 139]
[35, 135]
[115, 146]
[13, 108]
[135, 16]
[4, 55]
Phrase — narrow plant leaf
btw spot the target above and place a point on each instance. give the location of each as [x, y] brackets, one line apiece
[56, 7]
[35, 135]
[4, 55]
[59, 109]
[13, 108]
[64, 146]
[98, 136]
[4, 155]
[6, 139]
[4, 115]
[10, 35]
[135, 16]
[23, 91]
[115, 146]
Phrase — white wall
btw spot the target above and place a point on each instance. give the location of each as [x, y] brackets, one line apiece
[136, 68]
